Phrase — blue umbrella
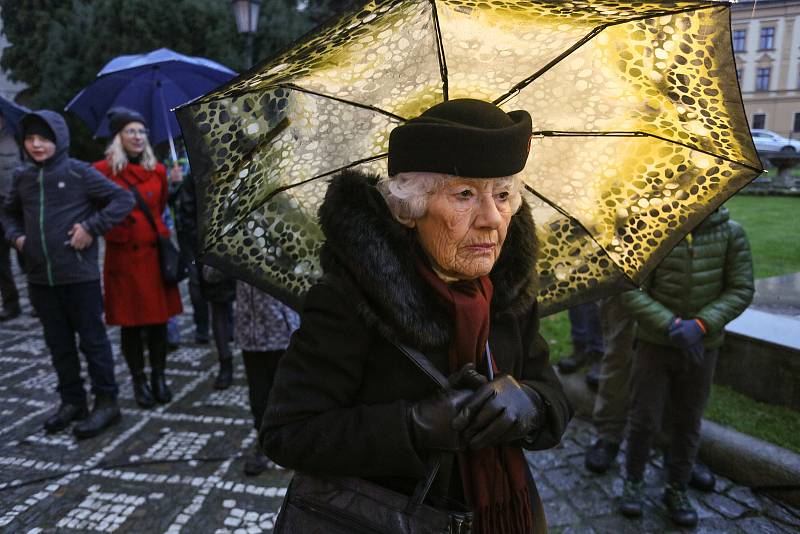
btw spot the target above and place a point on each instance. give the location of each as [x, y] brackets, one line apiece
[12, 113]
[151, 84]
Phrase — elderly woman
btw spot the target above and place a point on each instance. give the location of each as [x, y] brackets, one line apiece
[439, 256]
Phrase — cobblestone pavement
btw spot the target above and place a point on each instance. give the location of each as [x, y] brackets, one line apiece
[178, 468]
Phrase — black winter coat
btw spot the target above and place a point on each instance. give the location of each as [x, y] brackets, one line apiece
[338, 405]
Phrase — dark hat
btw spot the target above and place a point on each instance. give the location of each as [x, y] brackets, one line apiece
[118, 117]
[463, 137]
[35, 125]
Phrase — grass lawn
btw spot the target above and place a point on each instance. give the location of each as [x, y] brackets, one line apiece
[773, 227]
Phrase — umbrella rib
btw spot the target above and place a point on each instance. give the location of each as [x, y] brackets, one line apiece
[440, 51]
[582, 41]
[298, 184]
[556, 133]
[342, 100]
[577, 222]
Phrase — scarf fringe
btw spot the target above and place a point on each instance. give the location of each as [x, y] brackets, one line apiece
[504, 519]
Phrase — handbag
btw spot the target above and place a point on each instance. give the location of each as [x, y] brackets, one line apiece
[173, 268]
[349, 505]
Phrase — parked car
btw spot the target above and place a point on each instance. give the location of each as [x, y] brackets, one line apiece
[768, 141]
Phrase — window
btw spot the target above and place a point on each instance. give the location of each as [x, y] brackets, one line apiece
[759, 121]
[739, 38]
[762, 78]
[766, 40]
[796, 127]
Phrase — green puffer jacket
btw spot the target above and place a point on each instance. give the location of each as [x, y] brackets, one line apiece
[708, 275]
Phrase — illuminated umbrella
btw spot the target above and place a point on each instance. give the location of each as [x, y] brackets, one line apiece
[639, 129]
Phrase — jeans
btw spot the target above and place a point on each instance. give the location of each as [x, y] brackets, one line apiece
[260, 368]
[585, 327]
[72, 309]
[662, 375]
[611, 402]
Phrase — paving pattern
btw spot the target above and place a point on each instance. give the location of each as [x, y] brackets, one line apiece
[178, 468]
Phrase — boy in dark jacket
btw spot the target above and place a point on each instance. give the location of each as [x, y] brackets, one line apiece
[51, 216]
[681, 312]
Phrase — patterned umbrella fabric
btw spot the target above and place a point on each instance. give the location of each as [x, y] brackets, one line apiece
[639, 129]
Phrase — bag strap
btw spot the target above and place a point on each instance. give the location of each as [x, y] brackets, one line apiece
[143, 207]
[434, 458]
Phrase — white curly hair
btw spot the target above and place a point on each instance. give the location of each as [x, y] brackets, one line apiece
[407, 193]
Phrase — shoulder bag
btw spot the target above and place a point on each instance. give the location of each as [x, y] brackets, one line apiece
[348, 505]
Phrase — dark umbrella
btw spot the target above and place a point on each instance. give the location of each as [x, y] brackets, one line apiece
[151, 84]
[12, 113]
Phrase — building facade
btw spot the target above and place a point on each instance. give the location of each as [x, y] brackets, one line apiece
[766, 42]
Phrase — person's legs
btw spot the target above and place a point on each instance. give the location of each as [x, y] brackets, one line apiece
[587, 337]
[259, 367]
[157, 349]
[86, 313]
[611, 402]
[8, 289]
[649, 387]
[200, 311]
[689, 396]
[220, 322]
[132, 345]
[59, 335]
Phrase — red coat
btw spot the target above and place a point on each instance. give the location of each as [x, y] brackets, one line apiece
[135, 293]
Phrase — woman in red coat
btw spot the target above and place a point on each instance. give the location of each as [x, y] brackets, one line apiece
[136, 297]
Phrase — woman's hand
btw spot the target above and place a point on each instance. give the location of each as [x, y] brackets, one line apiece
[19, 243]
[501, 411]
[431, 420]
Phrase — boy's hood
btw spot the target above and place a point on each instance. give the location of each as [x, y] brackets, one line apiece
[59, 126]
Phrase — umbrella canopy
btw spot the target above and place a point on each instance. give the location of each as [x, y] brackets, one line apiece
[11, 113]
[151, 84]
[639, 129]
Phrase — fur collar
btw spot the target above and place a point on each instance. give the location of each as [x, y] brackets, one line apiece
[369, 252]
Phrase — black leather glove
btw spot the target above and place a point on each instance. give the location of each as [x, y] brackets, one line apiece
[430, 420]
[688, 335]
[501, 411]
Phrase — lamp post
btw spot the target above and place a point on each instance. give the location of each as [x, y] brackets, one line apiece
[246, 13]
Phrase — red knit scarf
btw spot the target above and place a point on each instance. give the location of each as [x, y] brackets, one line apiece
[494, 479]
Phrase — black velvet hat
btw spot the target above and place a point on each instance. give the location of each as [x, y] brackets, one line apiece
[118, 117]
[462, 137]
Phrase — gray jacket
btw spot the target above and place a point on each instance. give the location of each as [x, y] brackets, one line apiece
[46, 200]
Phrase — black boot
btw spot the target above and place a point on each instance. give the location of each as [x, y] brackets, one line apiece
[679, 507]
[702, 478]
[104, 414]
[66, 414]
[630, 503]
[600, 456]
[158, 379]
[225, 374]
[142, 392]
[255, 461]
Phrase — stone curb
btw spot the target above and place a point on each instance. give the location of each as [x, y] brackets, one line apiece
[742, 458]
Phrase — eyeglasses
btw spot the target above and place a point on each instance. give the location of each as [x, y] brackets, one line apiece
[142, 132]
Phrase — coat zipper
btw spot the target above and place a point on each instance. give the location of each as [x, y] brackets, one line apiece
[688, 278]
[41, 228]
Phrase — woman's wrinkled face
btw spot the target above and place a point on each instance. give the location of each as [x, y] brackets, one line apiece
[465, 226]
[134, 137]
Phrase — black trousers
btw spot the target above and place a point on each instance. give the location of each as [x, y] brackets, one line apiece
[8, 289]
[132, 339]
[72, 309]
[222, 328]
[260, 369]
[662, 375]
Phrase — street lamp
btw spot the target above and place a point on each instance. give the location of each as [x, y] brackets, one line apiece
[246, 13]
